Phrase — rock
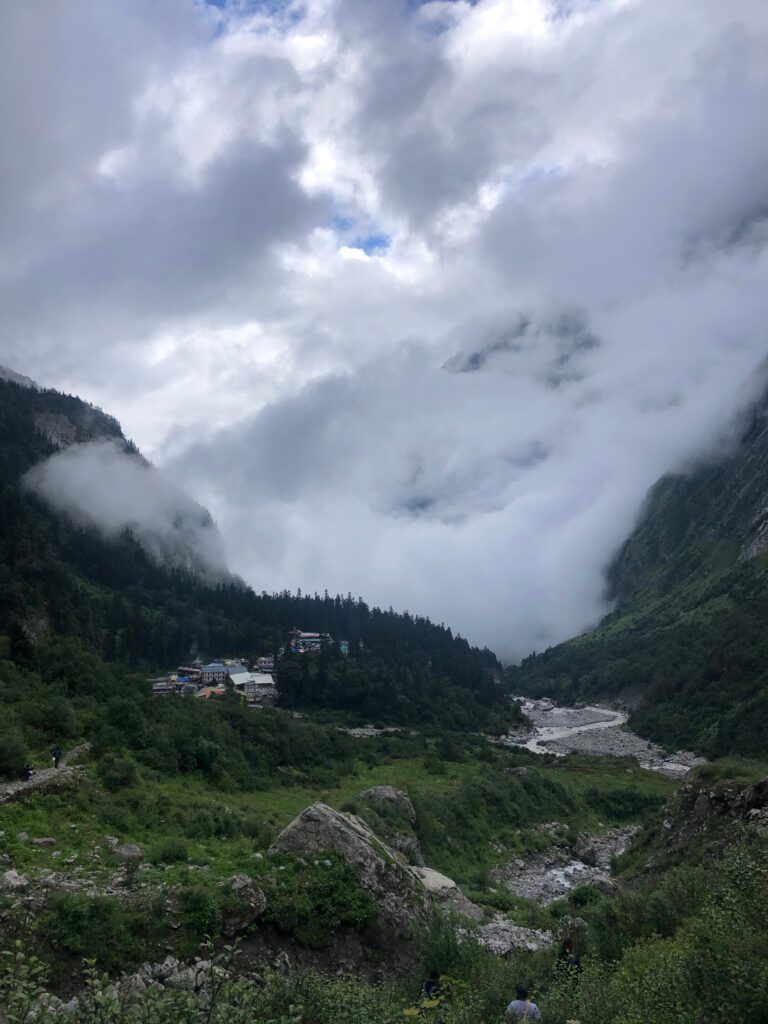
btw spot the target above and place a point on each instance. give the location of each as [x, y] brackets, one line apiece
[395, 888]
[132, 989]
[23, 836]
[446, 894]
[161, 972]
[251, 904]
[604, 884]
[585, 850]
[45, 841]
[185, 978]
[12, 881]
[409, 847]
[395, 796]
[502, 937]
[128, 851]
[520, 772]
[702, 806]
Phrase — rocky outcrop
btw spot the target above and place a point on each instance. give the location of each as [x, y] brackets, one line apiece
[709, 807]
[396, 890]
[44, 780]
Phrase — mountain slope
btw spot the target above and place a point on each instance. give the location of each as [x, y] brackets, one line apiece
[688, 634]
[111, 590]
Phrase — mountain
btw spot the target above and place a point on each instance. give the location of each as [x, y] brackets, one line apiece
[96, 546]
[686, 646]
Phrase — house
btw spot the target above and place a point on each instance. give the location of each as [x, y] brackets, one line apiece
[260, 690]
[265, 665]
[214, 673]
[301, 642]
[211, 691]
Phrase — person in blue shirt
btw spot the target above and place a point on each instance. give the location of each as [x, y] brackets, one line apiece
[521, 1008]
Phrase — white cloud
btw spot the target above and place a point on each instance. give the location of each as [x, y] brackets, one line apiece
[464, 419]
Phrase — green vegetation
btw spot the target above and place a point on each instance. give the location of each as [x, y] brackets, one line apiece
[689, 628]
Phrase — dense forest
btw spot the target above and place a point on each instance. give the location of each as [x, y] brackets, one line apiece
[61, 578]
[686, 643]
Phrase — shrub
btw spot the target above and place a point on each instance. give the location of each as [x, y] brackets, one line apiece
[13, 753]
[171, 850]
[314, 901]
[116, 772]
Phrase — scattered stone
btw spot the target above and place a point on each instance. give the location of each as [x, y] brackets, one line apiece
[45, 841]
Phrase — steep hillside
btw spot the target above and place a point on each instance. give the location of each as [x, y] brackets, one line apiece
[138, 595]
[686, 643]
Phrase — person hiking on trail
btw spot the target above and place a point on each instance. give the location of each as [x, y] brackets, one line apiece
[567, 961]
[27, 772]
[56, 756]
[521, 1008]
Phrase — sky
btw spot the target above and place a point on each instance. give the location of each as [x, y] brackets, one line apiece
[419, 299]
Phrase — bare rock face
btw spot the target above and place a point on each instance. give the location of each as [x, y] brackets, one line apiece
[396, 890]
[395, 796]
[251, 905]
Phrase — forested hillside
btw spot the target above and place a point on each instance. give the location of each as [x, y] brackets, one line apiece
[62, 579]
[688, 633]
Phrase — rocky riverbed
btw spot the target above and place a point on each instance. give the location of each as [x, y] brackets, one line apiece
[594, 730]
[550, 874]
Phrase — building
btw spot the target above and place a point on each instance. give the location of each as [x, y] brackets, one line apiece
[260, 690]
[265, 665]
[214, 673]
[301, 642]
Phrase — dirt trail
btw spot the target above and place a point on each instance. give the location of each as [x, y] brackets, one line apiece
[46, 780]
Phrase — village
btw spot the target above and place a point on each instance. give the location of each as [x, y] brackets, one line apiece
[253, 682]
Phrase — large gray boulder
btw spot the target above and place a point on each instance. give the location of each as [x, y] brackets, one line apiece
[391, 795]
[12, 881]
[397, 892]
[447, 896]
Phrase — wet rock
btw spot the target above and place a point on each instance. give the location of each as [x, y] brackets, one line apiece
[251, 905]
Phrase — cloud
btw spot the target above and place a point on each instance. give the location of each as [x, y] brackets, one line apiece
[420, 298]
[99, 484]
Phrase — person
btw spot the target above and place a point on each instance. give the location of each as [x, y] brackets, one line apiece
[567, 961]
[430, 987]
[26, 772]
[521, 1008]
[56, 755]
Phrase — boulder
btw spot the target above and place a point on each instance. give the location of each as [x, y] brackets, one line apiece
[163, 971]
[132, 989]
[127, 851]
[392, 795]
[586, 851]
[12, 881]
[395, 888]
[502, 937]
[446, 895]
[251, 904]
[45, 841]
